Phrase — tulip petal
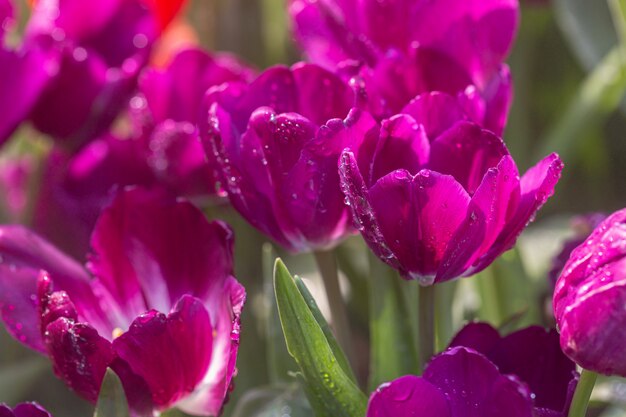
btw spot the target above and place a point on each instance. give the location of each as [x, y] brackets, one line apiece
[185, 340]
[436, 111]
[466, 152]
[481, 337]
[408, 396]
[25, 410]
[489, 210]
[474, 386]
[417, 217]
[177, 91]
[25, 254]
[533, 354]
[536, 186]
[322, 95]
[403, 144]
[149, 246]
[210, 394]
[18, 305]
[80, 356]
[365, 220]
[24, 75]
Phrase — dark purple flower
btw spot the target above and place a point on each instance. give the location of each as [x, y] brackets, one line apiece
[276, 143]
[439, 197]
[159, 304]
[589, 299]
[23, 410]
[582, 226]
[101, 51]
[410, 47]
[534, 356]
[459, 382]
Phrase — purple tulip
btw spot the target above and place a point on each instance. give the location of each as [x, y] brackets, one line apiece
[533, 355]
[459, 382]
[441, 198]
[159, 304]
[276, 143]
[76, 188]
[589, 299]
[23, 410]
[161, 150]
[101, 51]
[408, 47]
[166, 112]
[24, 73]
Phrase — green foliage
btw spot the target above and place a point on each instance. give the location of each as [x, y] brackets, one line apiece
[112, 400]
[331, 390]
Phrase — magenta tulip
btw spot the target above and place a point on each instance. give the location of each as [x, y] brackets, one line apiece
[402, 48]
[441, 197]
[159, 304]
[275, 144]
[23, 410]
[589, 299]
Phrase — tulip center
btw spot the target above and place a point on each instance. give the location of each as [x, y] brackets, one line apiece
[117, 332]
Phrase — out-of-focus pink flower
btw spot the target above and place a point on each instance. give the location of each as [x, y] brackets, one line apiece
[404, 48]
[459, 382]
[23, 410]
[167, 110]
[101, 49]
[589, 299]
[15, 176]
[534, 356]
[275, 144]
[439, 197]
[162, 149]
[159, 304]
[24, 72]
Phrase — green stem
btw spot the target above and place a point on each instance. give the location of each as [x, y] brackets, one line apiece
[327, 265]
[444, 323]
[582, 394]
[426, 323]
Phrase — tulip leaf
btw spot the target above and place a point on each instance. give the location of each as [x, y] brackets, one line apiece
[112, 400]
[342, 360]
[390, 327]
[329, 389]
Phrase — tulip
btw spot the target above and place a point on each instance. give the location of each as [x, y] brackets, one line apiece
[23, 410]
[275, 145]
[589, 299]
[403, 48]
[24, 71]
[441, 198]
[100, 52]
[531, 354]
[159, 304]
[459, 382]
[161, 150]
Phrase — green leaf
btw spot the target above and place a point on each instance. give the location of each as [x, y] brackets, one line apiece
[342, 360]
[330, 390]
[112, 400]
[392, 338]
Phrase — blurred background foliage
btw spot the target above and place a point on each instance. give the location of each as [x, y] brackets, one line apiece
[569, 74]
